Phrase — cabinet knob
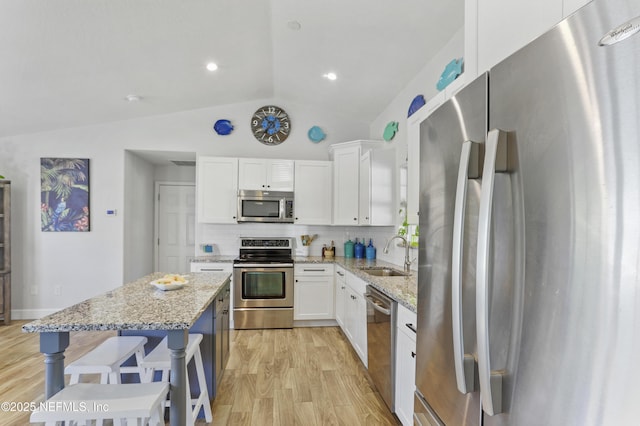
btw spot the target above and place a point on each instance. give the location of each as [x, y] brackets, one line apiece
[413, 354]
[296, 218]
[297, 281]
[355, 218]
[234, 217]
[263, 186]
[268, 186]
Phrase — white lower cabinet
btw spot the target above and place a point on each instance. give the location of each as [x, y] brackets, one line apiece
[226, 267]
[341, 294]
[313, 294]
[212, 267]
[355, 315]
[405, 365]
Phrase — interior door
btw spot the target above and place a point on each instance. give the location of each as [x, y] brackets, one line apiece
[175, 232]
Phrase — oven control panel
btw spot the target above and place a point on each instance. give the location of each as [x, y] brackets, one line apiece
[266, 242]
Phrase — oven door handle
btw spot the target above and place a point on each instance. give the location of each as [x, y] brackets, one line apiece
[263, 265]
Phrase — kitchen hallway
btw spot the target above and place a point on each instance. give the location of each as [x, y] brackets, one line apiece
[300, 376]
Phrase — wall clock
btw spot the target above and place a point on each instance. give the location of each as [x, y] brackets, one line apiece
[270, 125]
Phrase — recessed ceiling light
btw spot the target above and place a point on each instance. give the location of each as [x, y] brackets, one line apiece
[294, 25]
[330, 76]
[212, 66]
[132, 98]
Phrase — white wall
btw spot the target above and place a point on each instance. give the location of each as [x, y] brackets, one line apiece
[139, 206]
[424, 84]
[87, 264]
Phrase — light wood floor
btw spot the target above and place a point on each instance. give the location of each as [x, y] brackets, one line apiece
[302, 376]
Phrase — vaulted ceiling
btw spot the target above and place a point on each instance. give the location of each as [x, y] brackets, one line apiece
[67, 63]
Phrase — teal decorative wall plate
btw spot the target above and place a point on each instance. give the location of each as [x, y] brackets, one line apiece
[316, 134]
[390, 131]
[450, 73]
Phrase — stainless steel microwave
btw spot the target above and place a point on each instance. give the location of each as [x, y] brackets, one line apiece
[265, 206]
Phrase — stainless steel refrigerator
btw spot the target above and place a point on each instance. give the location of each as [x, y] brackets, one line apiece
[528, 286]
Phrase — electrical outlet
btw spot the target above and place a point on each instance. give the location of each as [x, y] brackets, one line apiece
[57, 290]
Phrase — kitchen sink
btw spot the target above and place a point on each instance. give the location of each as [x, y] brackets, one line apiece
[384, 272]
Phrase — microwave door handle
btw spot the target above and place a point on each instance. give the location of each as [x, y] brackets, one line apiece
[464, 363]
[490, 381]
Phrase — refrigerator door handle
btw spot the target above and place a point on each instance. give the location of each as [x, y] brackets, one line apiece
[464, 363]
[495, 160]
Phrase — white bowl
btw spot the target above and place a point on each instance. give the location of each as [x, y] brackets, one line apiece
[167, 287]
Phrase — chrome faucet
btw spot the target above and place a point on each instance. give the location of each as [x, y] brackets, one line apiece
[407, 259]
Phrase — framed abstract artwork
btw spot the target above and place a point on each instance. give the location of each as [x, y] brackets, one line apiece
[64, 194]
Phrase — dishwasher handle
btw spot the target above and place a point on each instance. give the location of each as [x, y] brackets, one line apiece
[377, 307]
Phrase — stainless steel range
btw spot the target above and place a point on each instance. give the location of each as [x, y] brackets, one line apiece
[263, 284]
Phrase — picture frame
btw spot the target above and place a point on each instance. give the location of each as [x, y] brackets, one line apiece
[64, 194]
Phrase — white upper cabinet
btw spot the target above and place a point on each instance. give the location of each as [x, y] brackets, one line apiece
[313, 192]
[494, 29]
[265, 174]
[364, 183]
[217, 189]
[345, 185]
[378, 187]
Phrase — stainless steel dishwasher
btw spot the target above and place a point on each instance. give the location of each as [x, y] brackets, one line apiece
[381, 343]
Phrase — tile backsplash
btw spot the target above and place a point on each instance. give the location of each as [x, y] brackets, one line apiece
[225, 239]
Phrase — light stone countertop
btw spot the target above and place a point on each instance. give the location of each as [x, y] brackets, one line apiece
[403, 290]
[138, 306]
[212, 259]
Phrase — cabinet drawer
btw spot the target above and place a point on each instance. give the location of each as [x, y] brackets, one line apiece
[313, 269]
[211, 267]
[406, 318]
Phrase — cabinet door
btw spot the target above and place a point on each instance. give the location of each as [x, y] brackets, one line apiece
[359, 308]
[217, 189]
[364, 208]
[505, 26]
[313, 192]
[405, 376]
[280, 175]
[341, 297]
[346, 163]
[252, 173]
[313, 298]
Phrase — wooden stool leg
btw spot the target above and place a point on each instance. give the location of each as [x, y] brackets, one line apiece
[202, 384]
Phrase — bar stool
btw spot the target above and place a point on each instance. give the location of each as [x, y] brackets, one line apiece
[159, 359]
[106, 359]
[138, 403]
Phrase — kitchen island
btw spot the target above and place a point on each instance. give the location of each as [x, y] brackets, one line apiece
[134, 306]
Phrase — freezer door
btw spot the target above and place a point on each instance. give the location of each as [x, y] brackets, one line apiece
[442, 134]
[570, 108]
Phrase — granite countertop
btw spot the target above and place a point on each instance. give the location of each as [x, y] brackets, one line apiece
[404, 290]
[138, 306]
[212, 259]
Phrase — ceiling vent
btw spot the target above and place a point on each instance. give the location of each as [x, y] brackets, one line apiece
[184, 162]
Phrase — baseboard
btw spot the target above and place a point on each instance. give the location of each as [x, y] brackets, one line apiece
[315, 323]
[31, 314]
